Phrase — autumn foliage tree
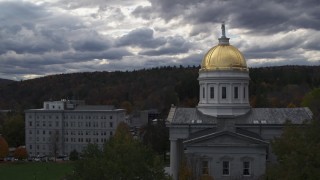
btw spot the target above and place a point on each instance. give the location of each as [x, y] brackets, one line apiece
[4, 147]
[20, 153]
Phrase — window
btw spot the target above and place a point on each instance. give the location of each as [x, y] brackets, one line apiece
[224, 92]
[111, 133]
[235, 93]
[43, 123]
[246, 168]
[111, 124]
[110, 117]
[44, 132]
[30, 146]
[225, 168]
[30, 123]
[57, 123]
[203, 93]
[212, 92]
[205, 167]
[244, 92]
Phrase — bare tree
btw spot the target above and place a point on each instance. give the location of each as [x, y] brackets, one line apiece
[55, 144]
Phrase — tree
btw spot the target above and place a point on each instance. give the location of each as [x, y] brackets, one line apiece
[74, 155]
[4, 147]
[312, 100]
[13, 129]
[91, 166]
[122, 157]
[20, 153]
[127, 106]
[156, 136]
[54, 138]
[297, 152]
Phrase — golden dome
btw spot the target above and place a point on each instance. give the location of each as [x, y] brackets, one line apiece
[223, 56]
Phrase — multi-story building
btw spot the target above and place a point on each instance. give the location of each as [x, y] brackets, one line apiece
[63, 126]
[142, 118]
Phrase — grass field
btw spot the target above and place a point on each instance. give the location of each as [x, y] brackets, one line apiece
[34, 170]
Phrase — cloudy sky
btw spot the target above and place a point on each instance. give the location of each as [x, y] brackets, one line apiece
[39, 38]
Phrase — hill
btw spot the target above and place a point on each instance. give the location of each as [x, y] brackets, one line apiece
[157, 88]
[5, 81]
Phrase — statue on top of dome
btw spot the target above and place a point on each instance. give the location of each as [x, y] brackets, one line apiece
[223, 28]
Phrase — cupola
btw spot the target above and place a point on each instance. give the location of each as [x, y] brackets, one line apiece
[224, 81]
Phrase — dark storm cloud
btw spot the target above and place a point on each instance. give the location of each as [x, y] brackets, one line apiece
[142, 37]
[81, 35]
[111, 54]
[34, 29]
[21, 33]
[91, 43]
[75, 4]
[256, 15]
[25, 40]
[16, 13]
[175, 45]
[35, 38]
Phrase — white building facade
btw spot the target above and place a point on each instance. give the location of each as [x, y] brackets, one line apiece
[223, 137]
[63, 126]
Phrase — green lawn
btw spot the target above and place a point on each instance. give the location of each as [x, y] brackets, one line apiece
[34, 170]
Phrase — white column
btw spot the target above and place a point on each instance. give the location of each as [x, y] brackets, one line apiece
[174, 158]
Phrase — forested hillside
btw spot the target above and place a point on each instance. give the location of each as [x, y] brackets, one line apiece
[158, 88]
[5, 81]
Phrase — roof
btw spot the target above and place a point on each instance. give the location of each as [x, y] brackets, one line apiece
[95, 107]
[214, 135]
[255, 116]
[81, 108]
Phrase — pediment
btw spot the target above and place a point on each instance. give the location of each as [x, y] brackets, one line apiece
[223, 139]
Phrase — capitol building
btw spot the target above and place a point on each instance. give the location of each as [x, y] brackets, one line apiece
[223, 137]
